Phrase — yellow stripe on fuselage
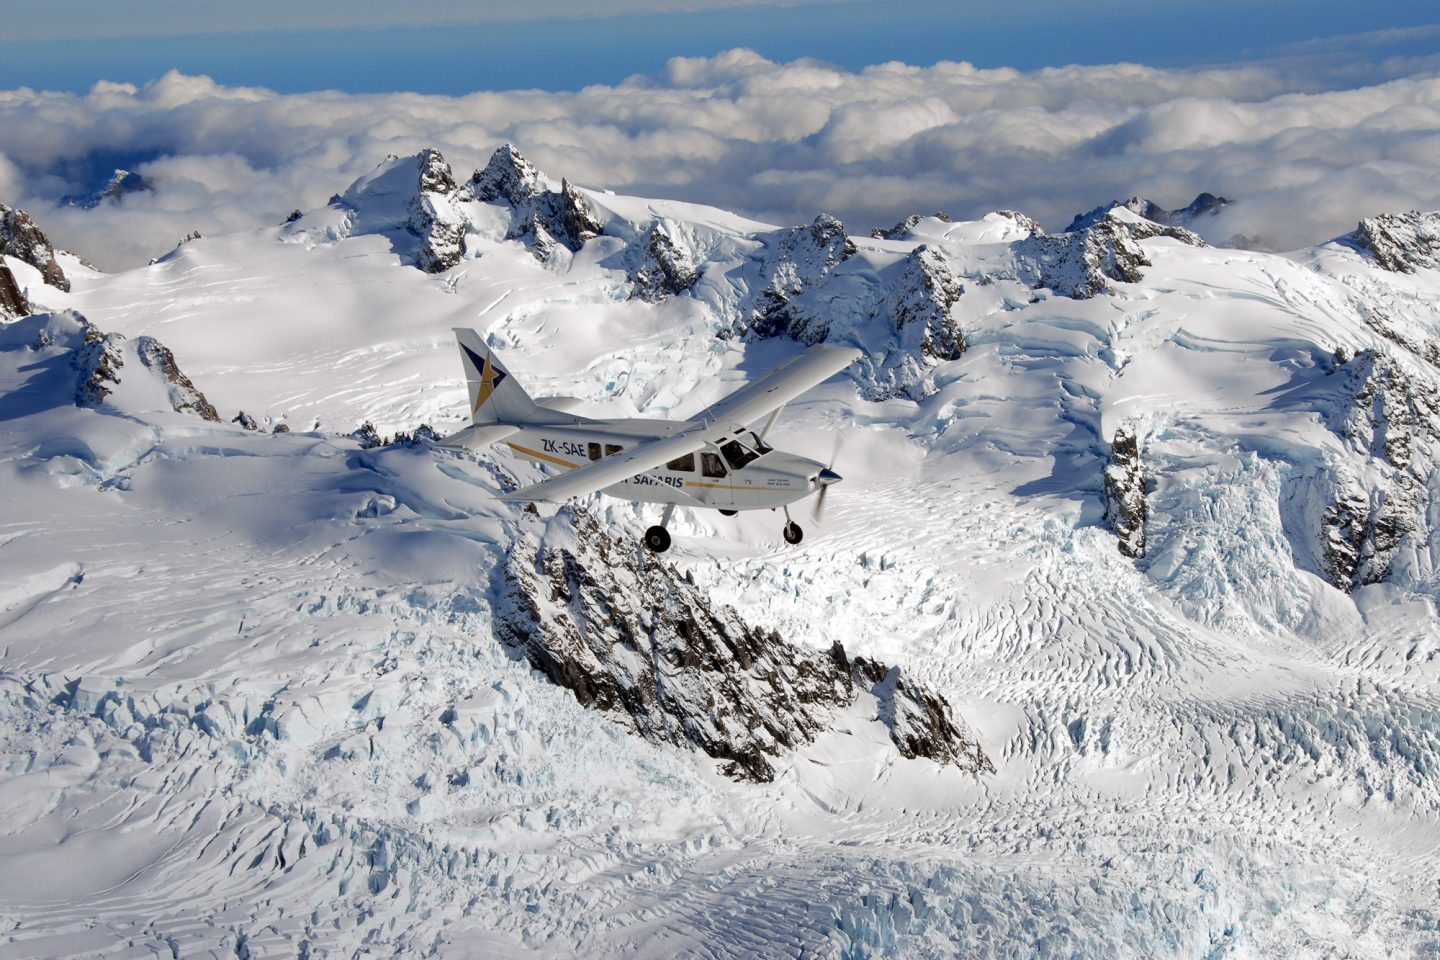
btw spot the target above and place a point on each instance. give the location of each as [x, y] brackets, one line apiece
[536, 454]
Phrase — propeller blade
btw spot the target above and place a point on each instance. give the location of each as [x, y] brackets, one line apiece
[819, 510]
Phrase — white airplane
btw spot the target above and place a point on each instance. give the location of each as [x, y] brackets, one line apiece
[713, 460]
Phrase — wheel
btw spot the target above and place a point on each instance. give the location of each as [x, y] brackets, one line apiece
[657, 539]
[793, 533]
[728, 513]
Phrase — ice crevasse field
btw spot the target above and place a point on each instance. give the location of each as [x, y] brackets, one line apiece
[255, 702]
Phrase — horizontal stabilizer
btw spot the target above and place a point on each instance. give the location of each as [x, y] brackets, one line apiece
[477, 436]
[560, 404]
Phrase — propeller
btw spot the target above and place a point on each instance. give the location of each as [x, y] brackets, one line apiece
[828, 478]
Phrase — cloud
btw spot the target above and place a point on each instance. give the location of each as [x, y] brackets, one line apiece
[777, 141]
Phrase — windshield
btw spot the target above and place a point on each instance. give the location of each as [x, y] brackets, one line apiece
[739, 454]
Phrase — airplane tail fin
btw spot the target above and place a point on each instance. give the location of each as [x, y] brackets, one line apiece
[495, 395]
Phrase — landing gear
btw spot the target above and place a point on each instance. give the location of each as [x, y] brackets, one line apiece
[792, 532]
[728, 513]
[657, 539]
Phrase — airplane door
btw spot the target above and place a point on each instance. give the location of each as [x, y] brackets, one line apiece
[715, 479]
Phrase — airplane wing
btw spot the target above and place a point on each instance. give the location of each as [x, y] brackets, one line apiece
[776, 388]
[602, 473]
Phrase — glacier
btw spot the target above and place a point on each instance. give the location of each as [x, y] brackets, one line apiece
[260, 688]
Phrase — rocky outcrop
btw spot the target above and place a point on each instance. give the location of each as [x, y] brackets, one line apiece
[901, 230]
[922, 301]
[434, 217]
[1081, 264]
[184, 396]
[630, 636]
[667, 266]
[122, 183]
[1125, 506]
[1400, 242]
[1392, 419]
[22, 238]
[540, 217]
[802, 259]
[100, 358]
[926, 331]
[1204, 205]
[13, 304]
[99, 361]
[507, 178]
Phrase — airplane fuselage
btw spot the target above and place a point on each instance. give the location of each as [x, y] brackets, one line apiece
[743, 475]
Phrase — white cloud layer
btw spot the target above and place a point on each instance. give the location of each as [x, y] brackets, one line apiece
[781, 142]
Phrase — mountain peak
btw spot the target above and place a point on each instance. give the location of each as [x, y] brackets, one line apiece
[508, 176]
[1205, 204]
[120, 184]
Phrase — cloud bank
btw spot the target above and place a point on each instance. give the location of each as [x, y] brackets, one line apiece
[777, 141]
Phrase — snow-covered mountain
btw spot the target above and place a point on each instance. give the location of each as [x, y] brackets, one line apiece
[1119, 638]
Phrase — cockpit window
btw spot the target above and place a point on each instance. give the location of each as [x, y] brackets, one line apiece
[739, 453]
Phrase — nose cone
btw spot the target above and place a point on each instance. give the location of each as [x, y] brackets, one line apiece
[827, 477]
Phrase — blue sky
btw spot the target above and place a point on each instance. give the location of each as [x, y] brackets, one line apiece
[70, 44]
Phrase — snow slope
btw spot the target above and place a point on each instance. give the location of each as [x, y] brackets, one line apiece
[254, 703]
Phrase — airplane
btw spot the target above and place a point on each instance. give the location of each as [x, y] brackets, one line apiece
[712, 460]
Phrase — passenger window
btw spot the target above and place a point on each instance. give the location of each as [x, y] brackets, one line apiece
[594, 451]
[685, 464]
[612, 448]
[710, 465]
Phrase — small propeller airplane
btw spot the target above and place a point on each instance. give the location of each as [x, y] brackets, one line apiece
[713, 460]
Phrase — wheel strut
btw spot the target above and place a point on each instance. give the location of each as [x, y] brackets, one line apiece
[657, 539]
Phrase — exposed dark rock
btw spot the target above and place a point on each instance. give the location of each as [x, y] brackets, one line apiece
[22, 239]
[280, 428]
[420, 436]
[576, 220]
[540, 218]
[1393, 418]
[367, 436]
[927, 291]
[1024, 221]
[628, 635]
[1400, 242]
[667, 267]
[1204, 205]
[507, 178]
[901, 230]
[1125, 506]
[803, 258]
[121, 184]
[294, 215]
[1078, 265]
[184, 397]
[13, 304]
[433, 216]
[99, 362]
[1424, 347]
